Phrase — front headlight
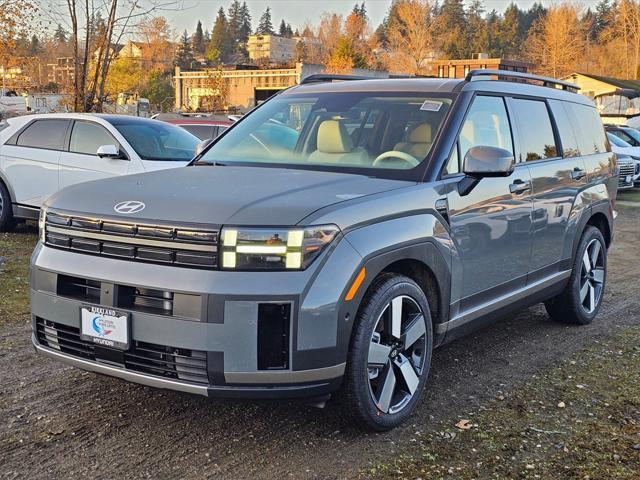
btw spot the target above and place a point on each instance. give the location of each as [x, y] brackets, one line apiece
[42, 219]
[274, 248]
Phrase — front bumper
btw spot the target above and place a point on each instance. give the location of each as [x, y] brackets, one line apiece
[214, 323]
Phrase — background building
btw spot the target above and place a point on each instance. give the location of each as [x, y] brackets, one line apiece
[243, 88]
[593, 85]
[271, 48]
[460, 68]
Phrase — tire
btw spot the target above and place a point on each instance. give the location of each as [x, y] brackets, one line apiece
[7, 222]
[374, 371]
[581, 299]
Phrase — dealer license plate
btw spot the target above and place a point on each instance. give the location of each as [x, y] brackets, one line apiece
[105, 326]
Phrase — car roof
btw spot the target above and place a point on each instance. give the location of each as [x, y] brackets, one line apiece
[440, 85]
[198, 122]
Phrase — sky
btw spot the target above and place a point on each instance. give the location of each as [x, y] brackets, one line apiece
[297, 12]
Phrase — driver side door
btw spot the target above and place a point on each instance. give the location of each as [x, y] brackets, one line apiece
[490, 225]
[80, 163]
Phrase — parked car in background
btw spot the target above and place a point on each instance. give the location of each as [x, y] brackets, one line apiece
[203, 127]
[629, 171]
[628, 134]
[624, 149]
[41, 154]
[331, 239]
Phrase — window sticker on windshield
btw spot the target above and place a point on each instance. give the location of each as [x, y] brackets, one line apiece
[431, 106]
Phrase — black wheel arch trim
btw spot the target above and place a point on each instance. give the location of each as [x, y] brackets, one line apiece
[603, 207]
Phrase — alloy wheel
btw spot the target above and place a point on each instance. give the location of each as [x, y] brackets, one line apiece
[592, 276]
[396, 357]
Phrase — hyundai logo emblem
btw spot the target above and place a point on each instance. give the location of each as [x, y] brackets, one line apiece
[130, 206]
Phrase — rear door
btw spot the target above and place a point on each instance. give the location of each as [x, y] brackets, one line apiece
[549, 147]
[202, 131]
[491, 226]
[30, 160]
[81, 163]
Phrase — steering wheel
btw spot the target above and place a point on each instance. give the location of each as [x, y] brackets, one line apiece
[410, 159]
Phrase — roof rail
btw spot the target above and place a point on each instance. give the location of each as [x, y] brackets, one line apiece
[527, 77]
[329, 77]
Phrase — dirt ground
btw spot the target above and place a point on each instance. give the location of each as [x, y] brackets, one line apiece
[59, 422]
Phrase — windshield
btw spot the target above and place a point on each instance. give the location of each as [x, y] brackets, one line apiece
[630, 132]
[617, 141]
[351, 130]
[154, 140]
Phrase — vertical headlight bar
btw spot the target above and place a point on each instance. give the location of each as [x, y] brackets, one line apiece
[273, 249]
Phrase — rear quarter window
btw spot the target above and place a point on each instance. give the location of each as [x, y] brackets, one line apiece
[47, 134]
[588, 128]
[566, 129]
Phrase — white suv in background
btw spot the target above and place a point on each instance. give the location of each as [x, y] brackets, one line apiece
[41, 154]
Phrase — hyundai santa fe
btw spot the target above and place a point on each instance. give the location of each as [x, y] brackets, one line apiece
[332, 238]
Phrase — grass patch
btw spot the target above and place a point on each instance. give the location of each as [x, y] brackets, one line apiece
[631, 195]
[15, 252]
[580, 420]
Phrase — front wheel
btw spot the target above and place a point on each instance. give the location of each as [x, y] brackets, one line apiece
[390, 354]
[580, 301]
[7, 222]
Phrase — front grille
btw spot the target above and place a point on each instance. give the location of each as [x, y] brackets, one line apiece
[168, 245]
[627, 169]
[157, 360]
[146, 300]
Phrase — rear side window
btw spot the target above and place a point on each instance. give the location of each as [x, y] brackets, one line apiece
[487, 124]
[48, 134]
[87, 137]
[565, 129]
[588, 128]
[534, 128]
[203, 132]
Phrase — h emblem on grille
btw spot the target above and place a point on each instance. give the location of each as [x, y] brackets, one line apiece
[128, 207]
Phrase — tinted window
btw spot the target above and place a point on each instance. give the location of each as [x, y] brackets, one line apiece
[86, 137]
[535, 130]
[487, 124]
[203, 132]
[47, 134]
[154, 140]
[565, 129]
[589, 129]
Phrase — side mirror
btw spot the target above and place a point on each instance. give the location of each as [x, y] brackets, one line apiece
[485, 161]
[202, 146]
[108, 151]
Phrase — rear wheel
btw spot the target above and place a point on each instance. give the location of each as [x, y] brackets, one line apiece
[7, 222]
[390, 354]
[581, 299]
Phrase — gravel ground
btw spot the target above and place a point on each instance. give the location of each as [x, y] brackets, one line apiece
[56, 421]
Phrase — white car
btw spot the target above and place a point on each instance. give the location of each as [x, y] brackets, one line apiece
[41, 154]
[622, 148]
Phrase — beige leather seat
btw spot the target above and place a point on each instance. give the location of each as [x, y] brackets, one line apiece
[335, 146]
[419, 141]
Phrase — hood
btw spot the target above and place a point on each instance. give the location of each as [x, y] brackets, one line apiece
[631, 151]
[220, 194]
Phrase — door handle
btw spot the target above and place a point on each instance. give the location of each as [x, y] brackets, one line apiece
[578, 173]
[519, 186]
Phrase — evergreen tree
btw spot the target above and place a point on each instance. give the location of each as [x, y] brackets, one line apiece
[603, 15]
[34, 46]
[536, 11]
[234, 22]
[221, 45]
[184, 55]
[478, 33]
[198, 39]
[289, 31]
[60, 35]
[245, 22]
[265, 27]
[282, 31]
[453, 25]
[511, 32]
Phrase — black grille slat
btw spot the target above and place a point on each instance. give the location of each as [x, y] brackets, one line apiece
[184, 242]
[158, 360]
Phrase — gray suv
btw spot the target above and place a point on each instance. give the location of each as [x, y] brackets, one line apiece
[329, 240]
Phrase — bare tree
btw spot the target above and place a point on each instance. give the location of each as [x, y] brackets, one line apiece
[556, 41]
[411, 36]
